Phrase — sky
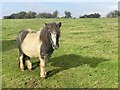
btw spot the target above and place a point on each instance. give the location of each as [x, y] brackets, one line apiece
[76, 7]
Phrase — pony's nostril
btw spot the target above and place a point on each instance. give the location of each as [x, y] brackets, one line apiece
[56, 46]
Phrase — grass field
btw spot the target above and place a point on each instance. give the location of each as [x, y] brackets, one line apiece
[87, 56]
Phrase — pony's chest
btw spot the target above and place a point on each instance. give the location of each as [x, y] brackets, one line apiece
[46, 50]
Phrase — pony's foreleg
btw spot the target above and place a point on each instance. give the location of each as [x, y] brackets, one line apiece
[28, 63]
[42, 67]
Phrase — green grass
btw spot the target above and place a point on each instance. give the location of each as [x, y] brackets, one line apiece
[87, 56]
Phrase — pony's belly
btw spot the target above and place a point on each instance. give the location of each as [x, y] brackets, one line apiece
[31, 51]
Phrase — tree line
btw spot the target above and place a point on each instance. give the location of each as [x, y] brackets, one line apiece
[31, 14]
[67, 14]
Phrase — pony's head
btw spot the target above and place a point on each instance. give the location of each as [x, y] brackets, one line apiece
[54, 33]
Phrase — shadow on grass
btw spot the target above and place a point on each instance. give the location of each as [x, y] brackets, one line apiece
[8, 45]
[35, 65]
[65, 62]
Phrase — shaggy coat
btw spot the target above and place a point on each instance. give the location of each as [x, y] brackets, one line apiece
[38, 44]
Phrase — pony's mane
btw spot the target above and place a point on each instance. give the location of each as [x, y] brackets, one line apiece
[44, 35]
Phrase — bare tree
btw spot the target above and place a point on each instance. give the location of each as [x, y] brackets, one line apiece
[113, 14]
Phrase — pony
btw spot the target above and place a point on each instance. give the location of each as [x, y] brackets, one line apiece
[39, 44]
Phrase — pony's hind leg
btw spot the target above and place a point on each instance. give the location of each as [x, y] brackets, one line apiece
[20, 59]
[28, 63]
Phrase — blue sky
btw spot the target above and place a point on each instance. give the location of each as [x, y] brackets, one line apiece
[59, 0]
[76, 8]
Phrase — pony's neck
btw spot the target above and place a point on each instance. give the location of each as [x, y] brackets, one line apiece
[46, 47]
[44, 36]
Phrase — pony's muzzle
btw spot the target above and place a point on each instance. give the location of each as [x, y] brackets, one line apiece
[55, 46]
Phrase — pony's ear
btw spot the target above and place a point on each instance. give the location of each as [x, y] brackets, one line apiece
[45, 24]
[59, 24]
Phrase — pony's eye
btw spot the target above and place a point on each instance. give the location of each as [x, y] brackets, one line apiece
[57, 35]
[50, 33]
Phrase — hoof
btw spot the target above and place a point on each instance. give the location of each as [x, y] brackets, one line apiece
[22, 69]
[43, 78]
[29, 69]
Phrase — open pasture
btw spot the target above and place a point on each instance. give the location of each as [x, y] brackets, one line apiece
[87, 56]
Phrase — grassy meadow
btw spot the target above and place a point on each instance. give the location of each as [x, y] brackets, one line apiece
[87, 56]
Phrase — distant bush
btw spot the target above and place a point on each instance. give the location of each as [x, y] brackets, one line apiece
[95, 15]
